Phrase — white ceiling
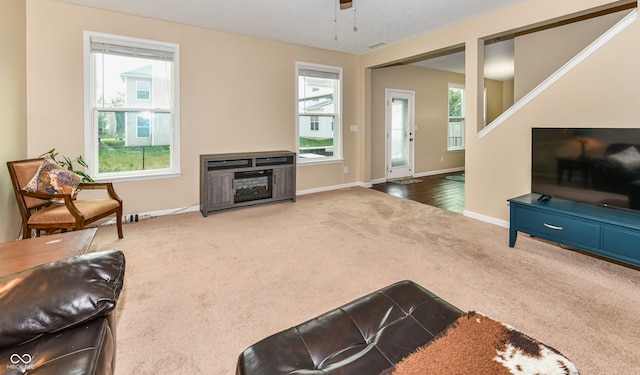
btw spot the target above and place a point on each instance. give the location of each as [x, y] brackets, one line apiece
[311, 22]
[498, 61]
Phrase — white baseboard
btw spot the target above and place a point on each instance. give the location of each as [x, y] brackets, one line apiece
[334, 187]
[175, 211]
[150, 214]
[486, 219]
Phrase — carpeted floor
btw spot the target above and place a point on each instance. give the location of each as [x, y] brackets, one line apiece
[199, 290]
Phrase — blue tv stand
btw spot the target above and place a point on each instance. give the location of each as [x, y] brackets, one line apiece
[608, 232]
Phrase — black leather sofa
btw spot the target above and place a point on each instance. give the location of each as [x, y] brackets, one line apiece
[58, 318]
[366, 336]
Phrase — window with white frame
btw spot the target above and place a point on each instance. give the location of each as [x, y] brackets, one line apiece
[315, 123]
[132, 122]
[143, 90]
[456, 127]
[319, 112]
[143, 127]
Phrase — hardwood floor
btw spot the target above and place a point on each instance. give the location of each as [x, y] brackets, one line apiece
[433, 190]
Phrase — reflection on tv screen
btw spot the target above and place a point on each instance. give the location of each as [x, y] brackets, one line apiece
[593, 165]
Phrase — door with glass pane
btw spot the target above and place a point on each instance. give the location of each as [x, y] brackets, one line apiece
[400, 127]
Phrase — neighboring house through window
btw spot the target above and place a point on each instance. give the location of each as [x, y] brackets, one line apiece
[456, 127]
[132, 117]
[319, 112]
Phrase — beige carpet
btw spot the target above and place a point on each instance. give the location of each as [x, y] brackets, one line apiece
[200, 290]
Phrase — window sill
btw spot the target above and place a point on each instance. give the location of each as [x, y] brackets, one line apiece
[138, 177]
[305, 162]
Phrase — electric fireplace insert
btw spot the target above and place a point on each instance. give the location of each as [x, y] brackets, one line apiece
[252, 185]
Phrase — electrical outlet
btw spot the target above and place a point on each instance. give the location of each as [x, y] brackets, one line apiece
[441, 159]
[346, 170]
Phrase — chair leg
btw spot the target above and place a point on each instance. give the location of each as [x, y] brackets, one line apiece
[119, 224]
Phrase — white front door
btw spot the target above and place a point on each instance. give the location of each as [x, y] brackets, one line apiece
[400, 114]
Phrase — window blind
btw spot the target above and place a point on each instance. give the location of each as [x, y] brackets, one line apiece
[318, 74]
[132, 50]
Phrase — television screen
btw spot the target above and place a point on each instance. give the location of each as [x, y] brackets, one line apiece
[593, 165]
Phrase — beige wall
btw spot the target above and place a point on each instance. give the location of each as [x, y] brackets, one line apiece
[537, 55]
[497, 166]
[13, 108]
[507, 95]
[431, 116]
[496, 101]
[237, 95]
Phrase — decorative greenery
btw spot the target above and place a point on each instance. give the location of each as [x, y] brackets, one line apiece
[68, 163]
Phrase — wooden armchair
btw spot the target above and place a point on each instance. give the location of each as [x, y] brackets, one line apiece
[40, 214]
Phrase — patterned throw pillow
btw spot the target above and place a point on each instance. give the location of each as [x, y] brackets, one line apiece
[51, 178]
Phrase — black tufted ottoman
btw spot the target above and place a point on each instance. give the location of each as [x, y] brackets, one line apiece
[363, 337]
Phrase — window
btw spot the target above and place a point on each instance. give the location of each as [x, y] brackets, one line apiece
[131, 133]
[456, 117]
[143, 128]
[319, 113]
[143, 90]
[315, 123]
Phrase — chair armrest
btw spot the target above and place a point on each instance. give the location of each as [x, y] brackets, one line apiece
[45, 195]
[68, 201]
[101, 185]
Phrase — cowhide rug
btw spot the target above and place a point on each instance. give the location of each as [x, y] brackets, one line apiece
[475, 344]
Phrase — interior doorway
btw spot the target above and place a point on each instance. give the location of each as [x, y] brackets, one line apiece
[400, 128]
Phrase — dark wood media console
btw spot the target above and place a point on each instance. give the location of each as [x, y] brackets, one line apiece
[608, 232]
[241, 179]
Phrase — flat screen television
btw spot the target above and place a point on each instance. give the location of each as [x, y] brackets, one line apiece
[593, 165]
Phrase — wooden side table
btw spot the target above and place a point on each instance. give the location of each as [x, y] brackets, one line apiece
[21, 255]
